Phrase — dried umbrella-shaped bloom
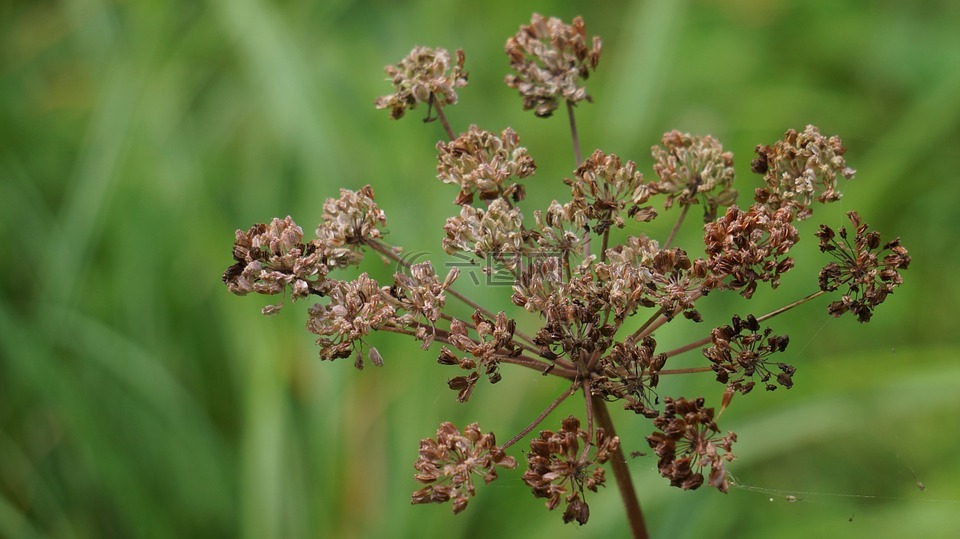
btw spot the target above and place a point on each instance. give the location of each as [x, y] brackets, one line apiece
[493, 234]
[603, 187]
[269, 258]
[740, 351]
[449, 463]
[799, 169]
[693, 169]
[560, 471]
[750, 246]
[550, 58]
[480, 162]
[348, 222]
[356, 308]
[422, 294]
[424, 76]
[867, 278]
[689, 441]
[677, 282]
[631, 373]
[495, 342]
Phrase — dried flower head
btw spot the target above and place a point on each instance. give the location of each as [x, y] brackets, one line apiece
[550, 58]
[559, 470]
[689, 441]
[677, 282]
[355, 309]
[604, 187]
[750, 246]
[421, 292]
[799, 169]
[347, 223]
[741, 352]
[494, 233]
[859, 268]
[631, 373]
[449, 463]
[557, 231]
[270, 258]
[480, 162]
[424, 76]
[693, 169]
[495, 342]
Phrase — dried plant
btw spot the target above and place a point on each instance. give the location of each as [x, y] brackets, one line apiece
[587, 309]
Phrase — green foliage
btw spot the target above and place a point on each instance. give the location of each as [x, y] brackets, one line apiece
[139, 399]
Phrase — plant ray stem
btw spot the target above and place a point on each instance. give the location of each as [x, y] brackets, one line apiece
[676, 226]
[789, 306]
[691, 370]
[543, 415]
[443, 118]
[573, 134]
[578, 157]
[622, 474]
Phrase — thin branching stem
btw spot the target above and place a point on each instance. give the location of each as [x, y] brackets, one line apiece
[789, 306]
[590, 416]
[543, 415]
[442, 117]
[691, 370]
[676, 226]
[573, 133]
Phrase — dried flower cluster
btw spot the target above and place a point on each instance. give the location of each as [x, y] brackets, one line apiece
[448, 464]
[693, 169]
[424, 76]
[744, 247]
[741, 351]
[867, 278]
[482, 163]
[550, 58]
[689, 443]
[590, 297]
[799, 169]
[560, 470]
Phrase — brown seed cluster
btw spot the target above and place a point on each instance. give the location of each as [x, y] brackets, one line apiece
[799, 169]
[740, 354]
[560, 470]
[689, 443]
[427, 76]
[744, 247]
[631, 373]
[356, 308]
[677, 283]
[492, 234]
[449, 464]
[550, 58]
[495, 341]
[603, 187]
[691, 170]
[348, 222]
[269, 258]
[481, 163]
[867, 278]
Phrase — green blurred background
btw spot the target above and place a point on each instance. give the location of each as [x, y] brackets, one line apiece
[139, 399]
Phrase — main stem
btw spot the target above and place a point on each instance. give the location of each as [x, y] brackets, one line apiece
[622, 474]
